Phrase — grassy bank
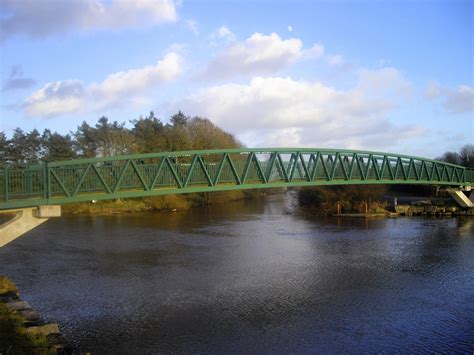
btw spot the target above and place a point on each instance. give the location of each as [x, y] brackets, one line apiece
[14, 339]
[159, 203]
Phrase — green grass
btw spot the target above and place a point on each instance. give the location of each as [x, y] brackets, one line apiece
[14, 340]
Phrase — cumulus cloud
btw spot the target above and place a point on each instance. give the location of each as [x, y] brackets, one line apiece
[17, 80]
[45, 18]
[222, 35]
[72, 96]
[279, 111]
[454, 100]
[259, 54]
[384, 81]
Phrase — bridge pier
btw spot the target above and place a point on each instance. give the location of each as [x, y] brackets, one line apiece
[26, 219]
[460, 197]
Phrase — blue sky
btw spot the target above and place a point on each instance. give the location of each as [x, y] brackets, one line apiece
[381, 75]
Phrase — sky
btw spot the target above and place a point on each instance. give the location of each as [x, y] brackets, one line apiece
[392, 76]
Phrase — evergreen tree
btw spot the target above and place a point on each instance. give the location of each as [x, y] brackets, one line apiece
[148, 133]
[3, 147]
[24, 147]
[57, 147]
[113, 138]
[85, 141]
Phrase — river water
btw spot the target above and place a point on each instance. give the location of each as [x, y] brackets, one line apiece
[250, 277]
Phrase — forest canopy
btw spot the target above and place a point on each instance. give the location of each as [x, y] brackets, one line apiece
[108, 138]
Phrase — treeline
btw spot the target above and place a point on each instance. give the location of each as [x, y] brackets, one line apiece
[108, 138]
[464, 157]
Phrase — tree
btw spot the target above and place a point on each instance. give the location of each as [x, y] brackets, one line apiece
[108, 138]
[179, 119]
[176, 134]
[450, 157]
[85, 141]
[56, 146]
[148, 133]
[25, 147]
[206, 135]
[467, 155]
[112, 138]
[3, 147]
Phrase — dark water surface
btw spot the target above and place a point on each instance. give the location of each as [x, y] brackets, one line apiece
[250, 278]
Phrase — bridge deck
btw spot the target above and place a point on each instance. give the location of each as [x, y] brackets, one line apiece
[215, 170]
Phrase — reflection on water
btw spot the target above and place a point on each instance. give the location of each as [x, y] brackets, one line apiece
[250, 277]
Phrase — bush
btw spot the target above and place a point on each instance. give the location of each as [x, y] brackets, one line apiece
[351, 198]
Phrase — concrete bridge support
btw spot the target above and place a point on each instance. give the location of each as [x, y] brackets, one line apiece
[461, 198]
[26, 219]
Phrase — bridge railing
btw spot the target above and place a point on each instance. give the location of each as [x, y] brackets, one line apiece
[213, 170]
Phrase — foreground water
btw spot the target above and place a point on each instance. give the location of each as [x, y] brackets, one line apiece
[250, 278]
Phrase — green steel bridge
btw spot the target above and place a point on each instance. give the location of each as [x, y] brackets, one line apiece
[60, 182]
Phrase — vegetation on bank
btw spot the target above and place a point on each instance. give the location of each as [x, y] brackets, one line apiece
[159, 203]
[14, 338]
[328, 200]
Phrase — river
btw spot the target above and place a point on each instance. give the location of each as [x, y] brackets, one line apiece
[250, 277]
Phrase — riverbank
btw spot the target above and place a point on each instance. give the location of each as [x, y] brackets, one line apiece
[378, 201]
[22, 330]
[162, 203]
[430, 208]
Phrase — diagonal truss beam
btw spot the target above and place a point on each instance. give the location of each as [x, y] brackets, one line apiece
[213, 170]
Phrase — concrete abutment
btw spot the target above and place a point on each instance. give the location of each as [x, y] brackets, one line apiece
[459, 195]
[26, 219]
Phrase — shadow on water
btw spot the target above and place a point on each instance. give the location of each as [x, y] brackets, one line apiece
[250, 277]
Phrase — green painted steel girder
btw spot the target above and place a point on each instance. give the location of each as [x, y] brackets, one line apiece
[215, 170]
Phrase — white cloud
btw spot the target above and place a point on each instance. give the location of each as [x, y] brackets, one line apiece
[224, 32]
[222, 35]
[335, 60]
[316, 51]
[384, 81]
[279, 111]
[46, 18]
[454, 100]
[72, 96]
[290, 29]
[259, 54]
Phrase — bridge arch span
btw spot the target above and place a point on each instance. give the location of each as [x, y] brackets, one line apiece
[178, 172]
